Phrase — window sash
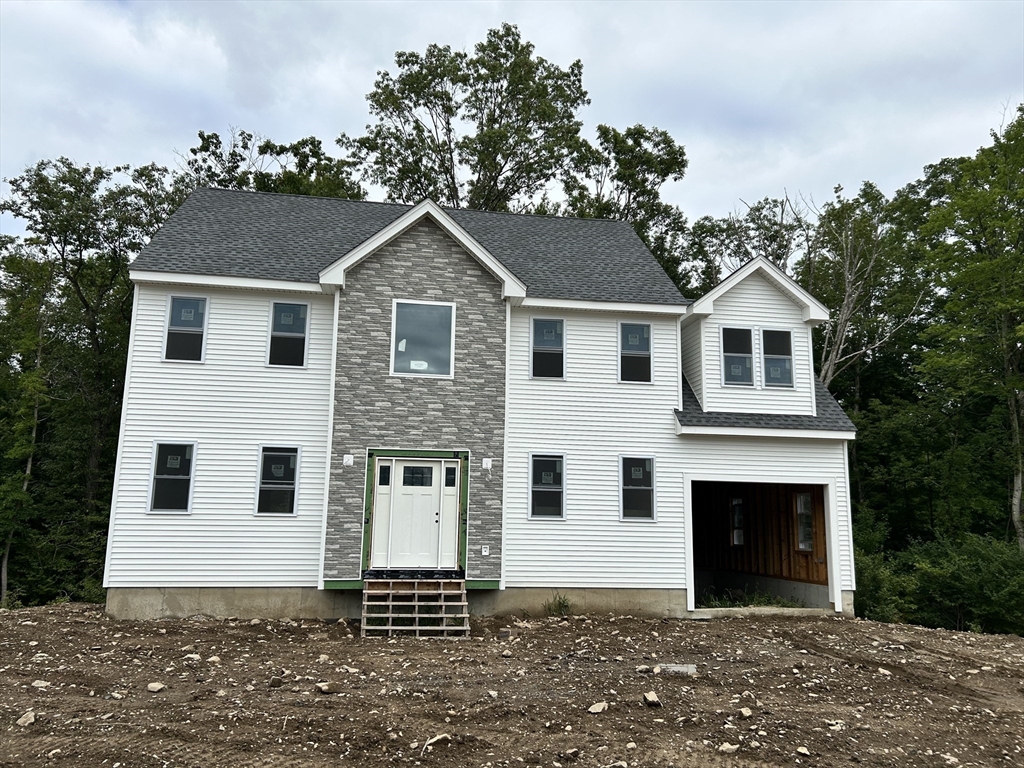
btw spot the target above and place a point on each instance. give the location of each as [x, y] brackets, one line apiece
[547, 355]
[186, 328]
[410, 322]
[277, 490]
[547, 499]
[636, 487]
[777, 355]
[635, 352]
[737, 356]
[172, 477]
[288, 337]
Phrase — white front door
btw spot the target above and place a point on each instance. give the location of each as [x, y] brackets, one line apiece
[415, 513]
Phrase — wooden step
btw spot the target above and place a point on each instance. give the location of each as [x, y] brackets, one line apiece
[418, 608]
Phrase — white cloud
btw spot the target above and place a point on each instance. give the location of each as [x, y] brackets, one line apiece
[764, 96]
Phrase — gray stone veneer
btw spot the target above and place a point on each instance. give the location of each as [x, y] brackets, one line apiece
[374, 410]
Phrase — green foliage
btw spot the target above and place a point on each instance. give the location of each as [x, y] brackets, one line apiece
[65, 306]
[971, 583]
[559, 605]
[621, 178]
[487, 131]
[246, 161]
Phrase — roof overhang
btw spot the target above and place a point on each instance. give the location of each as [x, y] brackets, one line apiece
[676, 310]
[813, 311]
[223, 281]
[812, 434]
[334, 276]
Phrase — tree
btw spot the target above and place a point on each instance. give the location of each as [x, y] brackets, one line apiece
[774, 228]
[65, 309]
[488, 131]
[621, 178]
[975, 233]
[250, 162]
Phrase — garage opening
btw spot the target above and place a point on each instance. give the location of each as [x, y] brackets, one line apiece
[759, 544]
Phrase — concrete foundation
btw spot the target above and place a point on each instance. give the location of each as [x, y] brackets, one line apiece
[243, 602]
[656, 603]
[141, 603]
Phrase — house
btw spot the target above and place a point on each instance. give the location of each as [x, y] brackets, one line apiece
[324, 395]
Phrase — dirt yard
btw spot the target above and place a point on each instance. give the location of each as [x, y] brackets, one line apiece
[78, 688]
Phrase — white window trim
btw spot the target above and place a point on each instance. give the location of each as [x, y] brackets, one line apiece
[167, 326]
[754, 368]
[529, 485]
[654, 489]
[764, 365]
[259, 477]
[650, 353]
[565, 369]
[391, 352]
[152, 477]
[270, 334]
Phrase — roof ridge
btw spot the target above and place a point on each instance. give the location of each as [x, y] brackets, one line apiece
[408, 206]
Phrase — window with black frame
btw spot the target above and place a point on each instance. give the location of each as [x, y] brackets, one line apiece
[637, 488]
[172, 477]
[635, 352]
[288, 334]
[547, 489]
[185, 329]
[547, 360]
[278, 471]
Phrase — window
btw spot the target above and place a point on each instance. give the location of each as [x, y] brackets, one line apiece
[637, 488]
[547, 489]
[548, 358]
[736, 521]
[634, 352]
[418, 476]
[737, 356]
[422, 338]
[778, 358]
[277, 481]
[172, 477]
[804, 523]
[288, 334]
[185, 329]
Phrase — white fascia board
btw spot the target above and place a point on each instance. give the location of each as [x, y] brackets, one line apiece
[334, 275]
[604, 306]
[222, 281]
[814, 312]
[814, 434]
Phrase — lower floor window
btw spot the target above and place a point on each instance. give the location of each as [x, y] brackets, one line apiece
[547, 488]
[804, 523]
[172, 477]
[278, 469]
[637, 488]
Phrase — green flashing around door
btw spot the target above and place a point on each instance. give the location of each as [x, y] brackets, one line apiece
[343, 584]
[371, 458]
[483, 584]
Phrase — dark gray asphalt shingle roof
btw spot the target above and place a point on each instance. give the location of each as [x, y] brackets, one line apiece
[292, 237]
[830, 415]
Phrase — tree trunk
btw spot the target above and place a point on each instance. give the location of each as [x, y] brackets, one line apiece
[3, 567]
[1017, 498]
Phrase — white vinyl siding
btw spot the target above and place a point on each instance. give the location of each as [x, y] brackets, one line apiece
[756, 304]
[781, 460]
[593, 421]
[228, 407]
[691, 353]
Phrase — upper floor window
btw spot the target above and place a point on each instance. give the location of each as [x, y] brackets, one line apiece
[737, 356]
[635, 352]
[278, 470]
[637, 488]
[778, 358]
[547, 359]
[185, 329]
[422, 338]
[172, 477]
[288, 334]
[547, 486]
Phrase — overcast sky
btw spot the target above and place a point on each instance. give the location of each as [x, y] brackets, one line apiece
[765, 97]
